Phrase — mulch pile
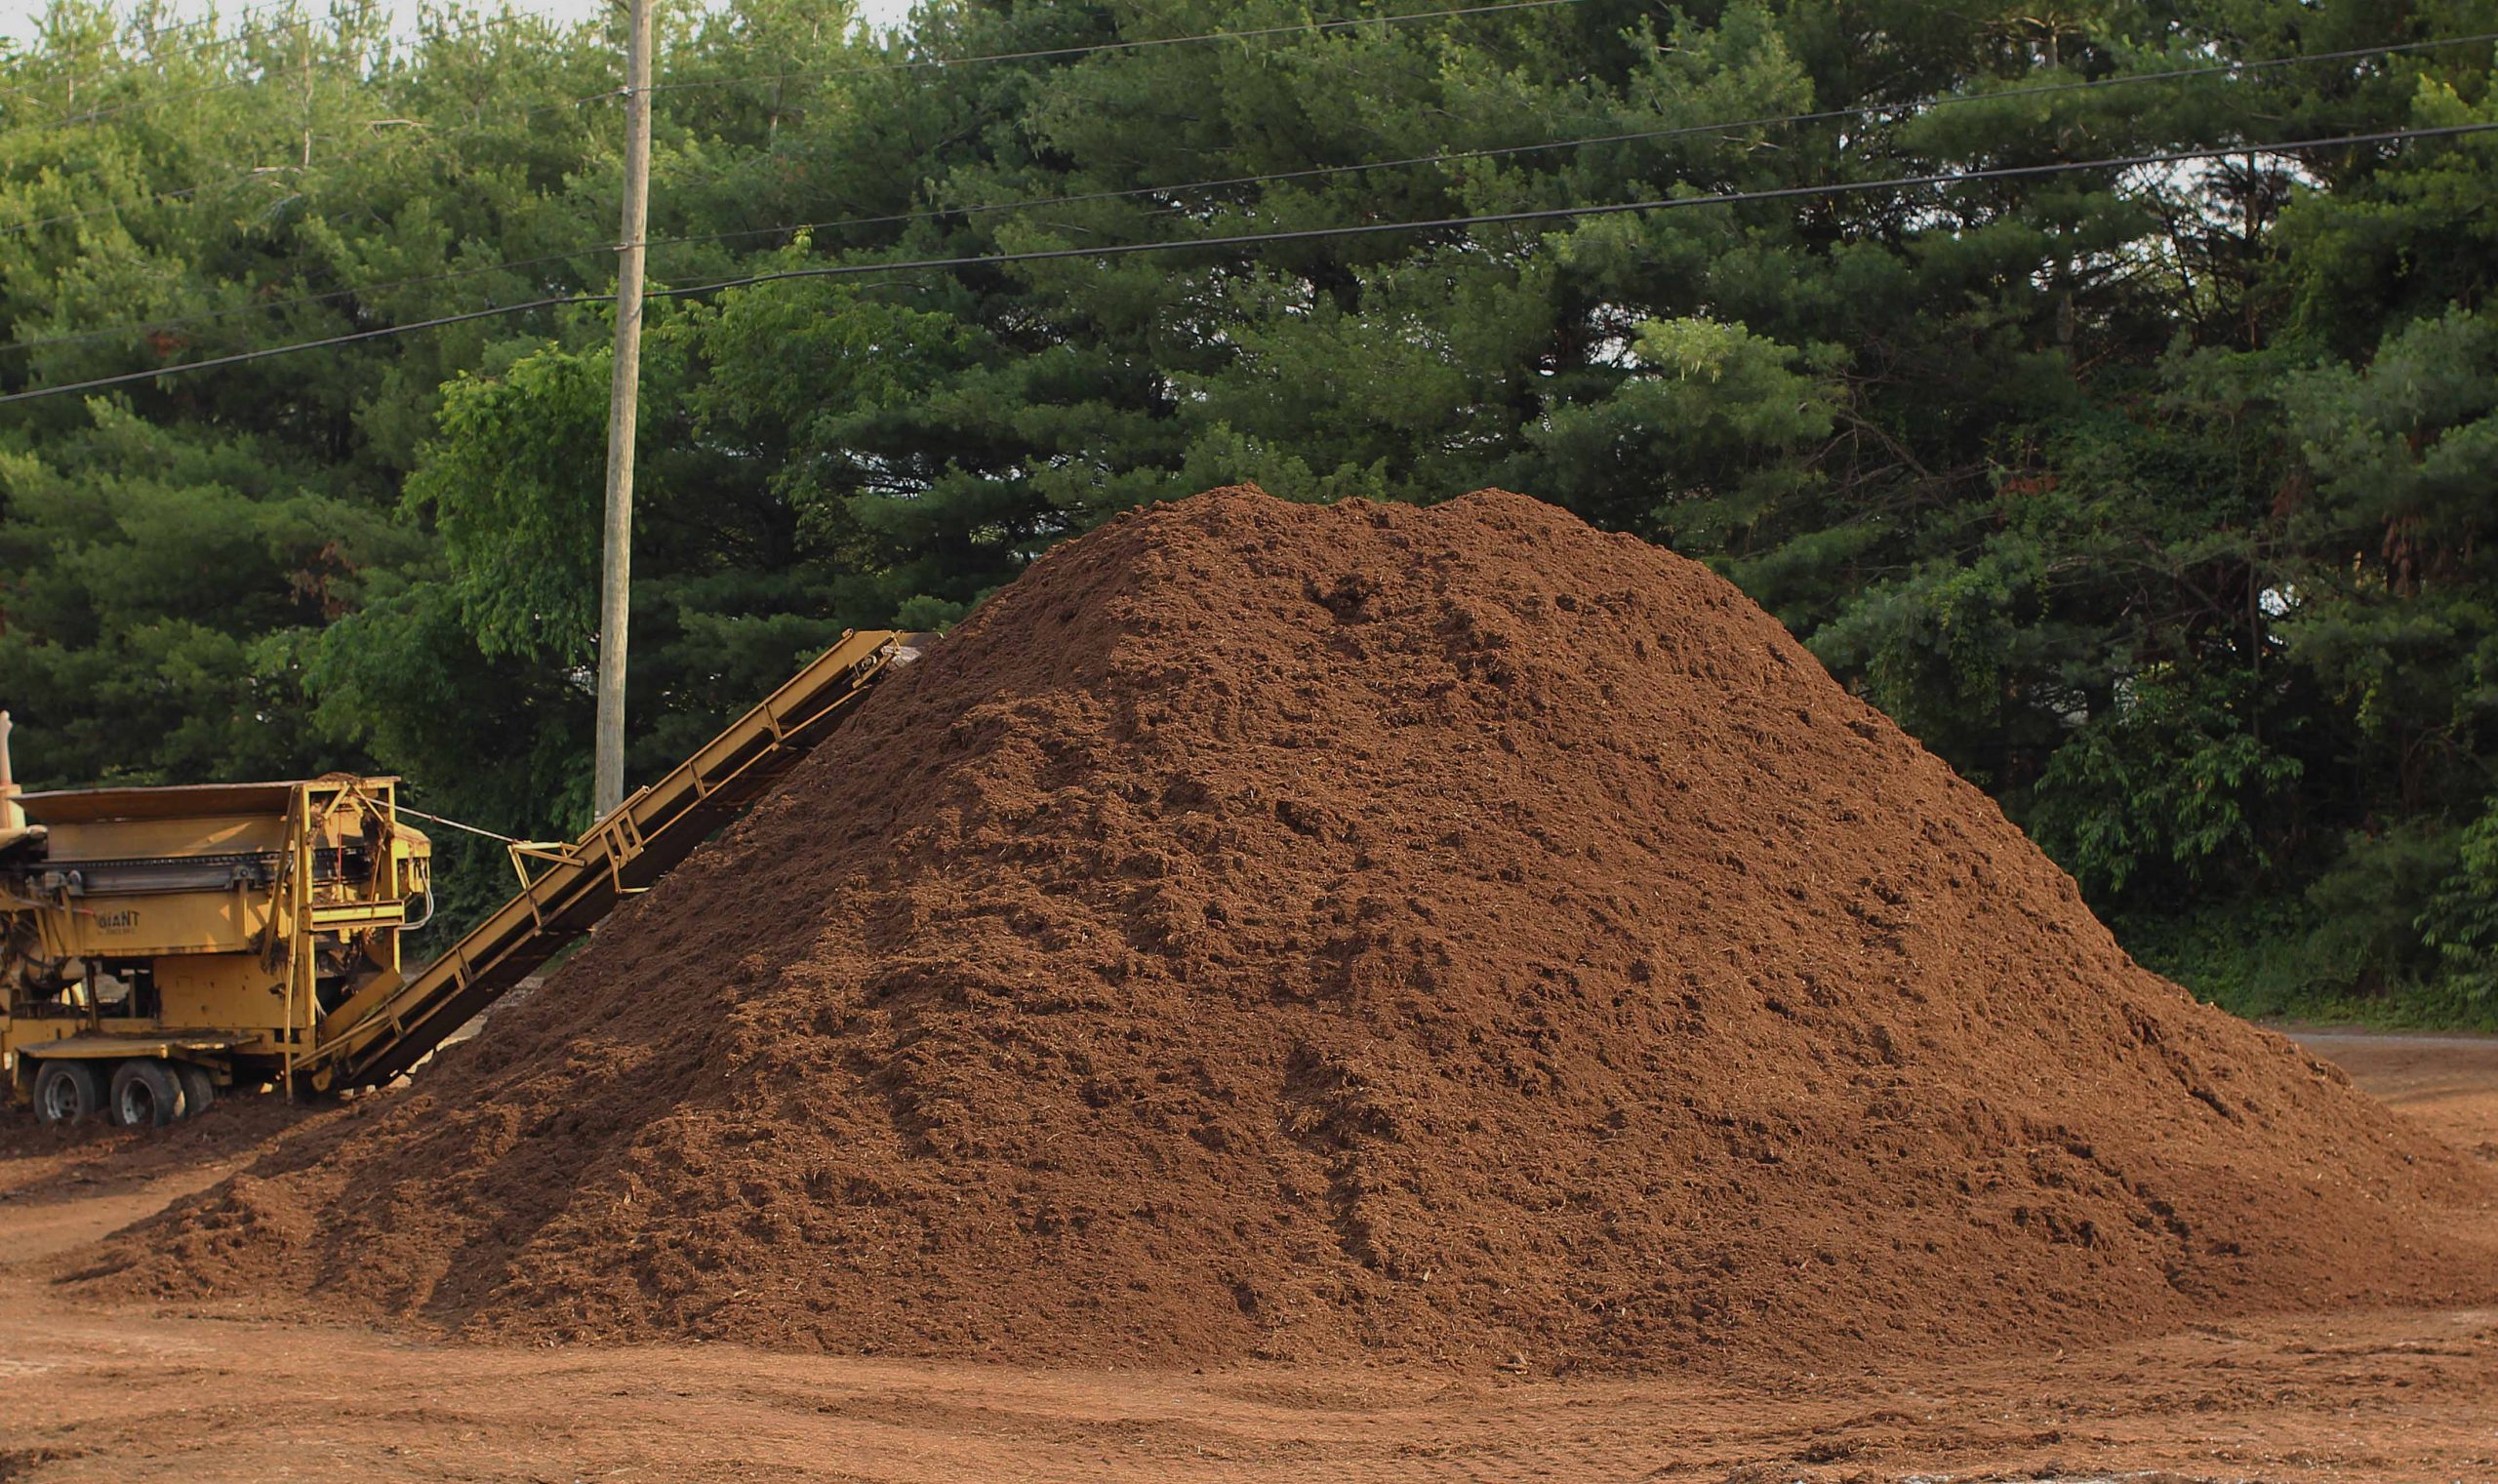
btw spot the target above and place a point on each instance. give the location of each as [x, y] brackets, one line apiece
[1272, 931]
[43, 1165]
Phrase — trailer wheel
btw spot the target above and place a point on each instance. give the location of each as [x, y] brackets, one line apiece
[146, 1094]
[67, 1091]
[200, 1088]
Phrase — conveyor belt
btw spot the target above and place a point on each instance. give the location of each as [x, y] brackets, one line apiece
[386, 1026]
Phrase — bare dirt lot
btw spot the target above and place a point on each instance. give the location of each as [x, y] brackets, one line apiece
[135, 1393]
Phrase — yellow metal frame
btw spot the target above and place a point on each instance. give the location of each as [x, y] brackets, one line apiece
[393, 1022]
[269, 937]
[246, 949]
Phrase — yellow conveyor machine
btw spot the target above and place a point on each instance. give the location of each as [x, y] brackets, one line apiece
[159, 943]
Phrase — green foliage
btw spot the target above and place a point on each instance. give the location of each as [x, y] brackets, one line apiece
[2367, 904]
[2156, 503]
[513, 489]
[2246, 956]
[2252, 957]
[2399, 605]
[2163, 791]
[2461, 923]
[1701, 439]
[145, 567]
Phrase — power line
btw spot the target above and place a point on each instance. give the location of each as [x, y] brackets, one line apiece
[264, 352]
[142, 327]
[1500, 151]
[1864, 111]
[1306, 234]
[379, 332]
[1310, 27]
[1604, 209]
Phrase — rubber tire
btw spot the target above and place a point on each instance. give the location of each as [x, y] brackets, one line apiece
[66, 1091]
[200, 1088]
[146, 1094]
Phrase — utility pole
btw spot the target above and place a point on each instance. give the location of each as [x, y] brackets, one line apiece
[614, 602]
[306, 49]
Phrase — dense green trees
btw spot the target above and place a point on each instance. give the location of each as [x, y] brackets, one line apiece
[2155, 498]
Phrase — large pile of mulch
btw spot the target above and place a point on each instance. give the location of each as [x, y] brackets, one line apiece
[1275, 931]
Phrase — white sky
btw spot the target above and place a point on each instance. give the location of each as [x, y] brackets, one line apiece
[17, 16]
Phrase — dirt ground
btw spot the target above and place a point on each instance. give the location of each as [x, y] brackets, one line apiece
[126, 1395]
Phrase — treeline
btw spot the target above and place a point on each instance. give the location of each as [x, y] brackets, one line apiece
[2158, 498]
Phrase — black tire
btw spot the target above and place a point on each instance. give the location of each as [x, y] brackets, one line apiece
[200, 1088]
[146, 1094]
[67, 1091]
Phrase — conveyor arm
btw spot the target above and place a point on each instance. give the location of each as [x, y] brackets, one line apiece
[391, 1023]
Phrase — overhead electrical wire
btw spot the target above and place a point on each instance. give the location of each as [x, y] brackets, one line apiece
[1599, 209]
[142, 327]
[267, 352]
[1303, 27]
[1679, 130]
[1497, 151]
[379, 332]
[1301, 234]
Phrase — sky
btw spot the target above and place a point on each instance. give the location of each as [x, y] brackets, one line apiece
[16, 15]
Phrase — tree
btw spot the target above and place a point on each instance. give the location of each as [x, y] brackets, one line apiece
[2151, 498]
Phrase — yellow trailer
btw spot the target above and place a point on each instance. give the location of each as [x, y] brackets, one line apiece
[159, 943]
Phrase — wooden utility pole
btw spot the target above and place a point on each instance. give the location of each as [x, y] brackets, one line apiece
[615, 603]
[306, 50]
